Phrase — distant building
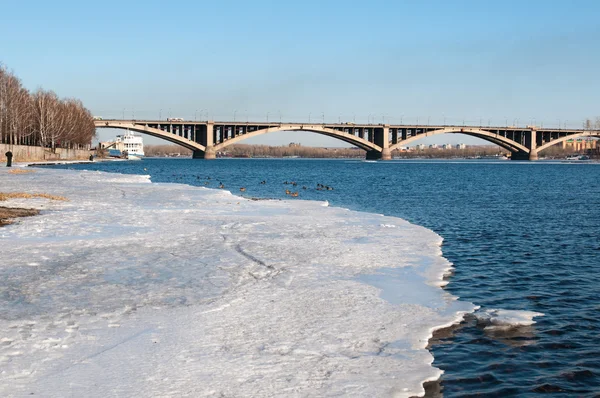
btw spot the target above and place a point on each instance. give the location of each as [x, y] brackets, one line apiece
[447, 146]
[433, 146]
[460, 146]
[580, 144]
[294, 145]
[420, 147]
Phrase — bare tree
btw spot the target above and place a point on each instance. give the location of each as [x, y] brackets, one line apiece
[41, 118]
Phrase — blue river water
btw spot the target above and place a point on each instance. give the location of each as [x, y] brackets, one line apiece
[522, 236]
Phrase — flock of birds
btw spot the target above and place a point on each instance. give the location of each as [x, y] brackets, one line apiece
[294, 194]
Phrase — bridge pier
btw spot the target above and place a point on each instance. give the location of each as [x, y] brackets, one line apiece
[386, 154]
[531, 144]
[381, 137]
[208, 154]
[533, 155]
[519, 156]
[531, 140]
[373, 155]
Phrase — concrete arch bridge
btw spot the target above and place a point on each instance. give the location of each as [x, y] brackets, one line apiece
[206, 138]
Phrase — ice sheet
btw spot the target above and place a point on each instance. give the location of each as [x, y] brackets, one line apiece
[505, 319]
[139, 289]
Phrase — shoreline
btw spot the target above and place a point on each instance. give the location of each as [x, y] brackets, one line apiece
[441, 272]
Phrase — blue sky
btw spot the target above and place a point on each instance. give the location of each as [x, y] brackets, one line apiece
[341, 60]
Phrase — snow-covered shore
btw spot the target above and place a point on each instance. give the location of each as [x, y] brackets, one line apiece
[139, 289]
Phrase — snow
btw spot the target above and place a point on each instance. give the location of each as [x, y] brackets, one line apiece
[497, 319]
[133, 288]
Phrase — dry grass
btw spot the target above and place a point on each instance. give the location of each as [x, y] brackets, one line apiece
[7, 213]
[25, 195]
[21, 171]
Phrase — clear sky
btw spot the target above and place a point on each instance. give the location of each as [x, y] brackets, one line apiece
[496, 61]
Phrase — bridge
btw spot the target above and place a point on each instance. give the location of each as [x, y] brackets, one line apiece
[206, 138]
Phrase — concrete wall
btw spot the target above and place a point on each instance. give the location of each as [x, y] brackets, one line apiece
[23, 153]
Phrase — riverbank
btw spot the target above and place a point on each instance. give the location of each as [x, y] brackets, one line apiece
[24, 153]
[167, 289]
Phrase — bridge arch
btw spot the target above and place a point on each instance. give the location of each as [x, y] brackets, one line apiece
[568, 137]
[319, 129]
[504, 142]
[141, 128]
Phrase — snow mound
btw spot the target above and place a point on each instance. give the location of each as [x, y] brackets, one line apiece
[505, 319]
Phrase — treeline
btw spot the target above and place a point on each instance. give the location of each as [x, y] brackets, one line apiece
[259, 151]
[41, 118]
[262, 151]
[166, 150]
[255, 151]
[471, 151]
[313, 152]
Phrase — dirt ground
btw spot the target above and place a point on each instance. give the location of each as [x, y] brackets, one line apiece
[7, 214]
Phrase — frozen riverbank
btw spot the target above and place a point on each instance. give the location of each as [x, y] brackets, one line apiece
[132, 288]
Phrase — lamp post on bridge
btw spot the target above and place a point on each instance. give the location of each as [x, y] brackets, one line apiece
[234, 112]
[160, 114]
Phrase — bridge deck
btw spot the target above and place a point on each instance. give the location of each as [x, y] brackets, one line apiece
[205, 138]
[336, 125]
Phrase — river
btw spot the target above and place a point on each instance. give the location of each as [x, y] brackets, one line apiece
[521, 235]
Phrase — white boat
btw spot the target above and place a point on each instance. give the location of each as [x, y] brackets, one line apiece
[132, 143]
[127, 145]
